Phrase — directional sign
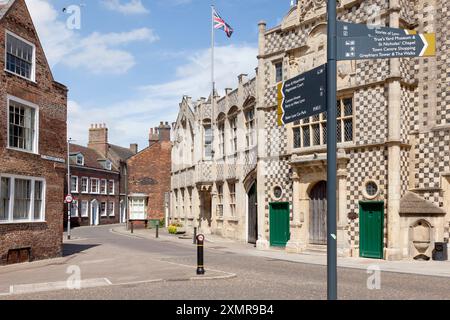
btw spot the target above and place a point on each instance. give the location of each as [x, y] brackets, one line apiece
[302, 96]
[360, 41]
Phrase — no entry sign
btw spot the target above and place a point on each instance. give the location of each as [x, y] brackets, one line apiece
[69, 198]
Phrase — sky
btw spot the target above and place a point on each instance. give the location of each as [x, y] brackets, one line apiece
[128, 63]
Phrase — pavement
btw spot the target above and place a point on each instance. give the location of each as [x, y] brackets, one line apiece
[109, 263]
[98, 262]
[428, 268]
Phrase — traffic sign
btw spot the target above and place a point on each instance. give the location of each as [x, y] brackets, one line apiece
[69, 198]
[302, 96]
[360, 41]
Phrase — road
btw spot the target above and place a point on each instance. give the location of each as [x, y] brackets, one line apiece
[135, 268]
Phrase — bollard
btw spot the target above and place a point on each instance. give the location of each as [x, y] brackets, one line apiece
[195, 235]
[132, 225]
[157, 230]
[200, 266]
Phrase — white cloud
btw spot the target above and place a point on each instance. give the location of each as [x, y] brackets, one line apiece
[131, 7]
[97, 53]
[129, 120]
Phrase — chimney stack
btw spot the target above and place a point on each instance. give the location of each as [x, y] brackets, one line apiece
[153, 136]
[134, 148]
[98, 138]
[164, 131]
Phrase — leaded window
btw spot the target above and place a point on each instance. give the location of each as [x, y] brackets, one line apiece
[312, 131]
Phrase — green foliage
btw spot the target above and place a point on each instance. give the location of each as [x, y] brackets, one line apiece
[172, 229]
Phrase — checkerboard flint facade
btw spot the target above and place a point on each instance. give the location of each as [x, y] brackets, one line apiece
[418, 140]
[396, 136]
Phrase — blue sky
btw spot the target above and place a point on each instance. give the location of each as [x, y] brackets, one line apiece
[132, 60]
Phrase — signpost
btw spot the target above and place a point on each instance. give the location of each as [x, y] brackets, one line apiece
[358, 41]
[302, 96]
[314, 92]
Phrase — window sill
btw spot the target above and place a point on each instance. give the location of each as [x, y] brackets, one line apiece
[22, 222]
[32, 81]
[22, 150]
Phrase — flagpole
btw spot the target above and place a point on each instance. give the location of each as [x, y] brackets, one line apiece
[212, 81]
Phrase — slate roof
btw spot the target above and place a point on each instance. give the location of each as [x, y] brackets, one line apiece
[121, 152]
[91, 157]
[412, 203]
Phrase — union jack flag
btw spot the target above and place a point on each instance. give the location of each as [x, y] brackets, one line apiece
[219, 23]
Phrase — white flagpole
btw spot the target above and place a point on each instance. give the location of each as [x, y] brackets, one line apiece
[212, 80]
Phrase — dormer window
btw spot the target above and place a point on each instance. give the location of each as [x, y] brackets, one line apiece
[80, 159]
[108, 165]
[20, 56]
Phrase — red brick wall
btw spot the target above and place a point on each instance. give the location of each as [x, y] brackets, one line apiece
[89, 173]
[149, 173]
[45, 239]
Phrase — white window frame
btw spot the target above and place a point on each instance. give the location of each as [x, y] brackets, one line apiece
[82, 159]
[133, 202]
[113, 187]
[105, 182]
[84, 215]
[103, 214]
[95, 181]
[33, 63]
[87, 185]
[74, 209]
[112, 214]
[31, 218]
[108, 165]
[35, 149]
[77, 188]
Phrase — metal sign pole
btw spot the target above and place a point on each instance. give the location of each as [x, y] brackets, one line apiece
[68, 190]
[331, 153]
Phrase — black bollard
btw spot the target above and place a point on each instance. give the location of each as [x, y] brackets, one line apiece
[195, 235]
[132, 226]
[157, 231]
[200, 266]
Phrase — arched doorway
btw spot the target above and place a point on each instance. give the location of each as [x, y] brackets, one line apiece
[252, 215]
[318, 213]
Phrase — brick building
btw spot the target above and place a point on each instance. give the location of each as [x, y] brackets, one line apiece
[149, 176]
[98, 177]
[33, 115]
[393, 132]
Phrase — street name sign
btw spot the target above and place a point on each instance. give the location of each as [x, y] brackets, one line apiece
[302, 96]
[360, 41]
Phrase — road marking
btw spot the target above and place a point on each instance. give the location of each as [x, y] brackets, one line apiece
[96, 261]
[57, 285]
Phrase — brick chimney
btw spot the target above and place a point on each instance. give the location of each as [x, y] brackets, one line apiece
[164, 131]
[153, 136]
[98, 138]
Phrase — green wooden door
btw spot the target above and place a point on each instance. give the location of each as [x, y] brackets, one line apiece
[371, 220]
[279, 224]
